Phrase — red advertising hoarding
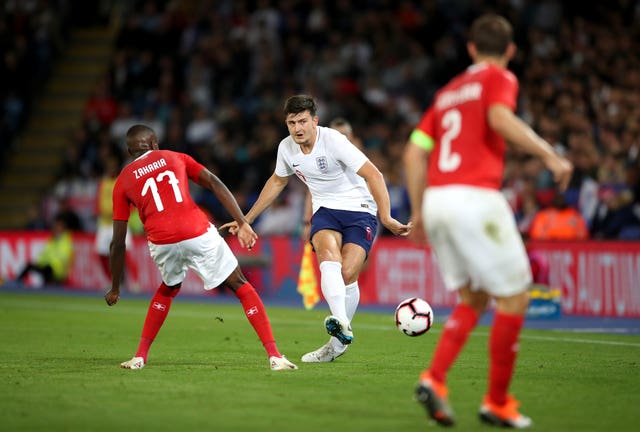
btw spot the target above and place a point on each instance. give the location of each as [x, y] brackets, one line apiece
[595, 278]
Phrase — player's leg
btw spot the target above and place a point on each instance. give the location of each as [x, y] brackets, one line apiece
[254, 309]
[173, 270]
[457, 328]
[438, 213]
[327, 244]
[499, 407]
[211, 258]
[357, 238]
[358, 235]
[156, 315]
[257, 315]
[353, 257]
[432, 391]
[504, 272]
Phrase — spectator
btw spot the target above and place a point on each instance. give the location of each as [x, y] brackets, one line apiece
[618, 214]
[558, 221]
[54, 262]
[101, 108]
[581, 95]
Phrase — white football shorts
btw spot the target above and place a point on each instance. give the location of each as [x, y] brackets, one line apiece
[474, 235]
[207, 255]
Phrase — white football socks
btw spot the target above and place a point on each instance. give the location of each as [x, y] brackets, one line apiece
[352, 298]
[333, 288]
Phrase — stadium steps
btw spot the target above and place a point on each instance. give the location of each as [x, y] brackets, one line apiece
[38, 152]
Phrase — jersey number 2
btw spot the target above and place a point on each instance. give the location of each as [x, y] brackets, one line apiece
[152, 185]
[451, 122]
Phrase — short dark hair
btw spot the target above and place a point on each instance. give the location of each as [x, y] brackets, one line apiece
[139, 130]
[300, 103]
[491, 34]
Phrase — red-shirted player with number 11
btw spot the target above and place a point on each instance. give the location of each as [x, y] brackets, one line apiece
[459, 148]
[180, 237]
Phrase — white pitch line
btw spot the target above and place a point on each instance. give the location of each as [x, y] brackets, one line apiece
[524, 336]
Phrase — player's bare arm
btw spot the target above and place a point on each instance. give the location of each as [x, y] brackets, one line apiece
[518, 133]
[378, 188]
[306, 218]
[246, 235]
[415, 167]
[272, 188]
[118, 250]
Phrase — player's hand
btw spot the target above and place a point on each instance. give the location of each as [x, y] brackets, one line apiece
[562, 170]
[232, 226]
[112, 297]
[398, 228]
[418, 234]
[246, 236]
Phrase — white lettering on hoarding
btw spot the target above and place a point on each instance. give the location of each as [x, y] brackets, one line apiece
[560, 275]
[597, 282]
[14, 255]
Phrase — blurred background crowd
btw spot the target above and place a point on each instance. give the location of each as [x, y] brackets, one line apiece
[211, 78]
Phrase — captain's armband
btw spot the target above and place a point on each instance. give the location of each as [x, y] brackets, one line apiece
[422, 140]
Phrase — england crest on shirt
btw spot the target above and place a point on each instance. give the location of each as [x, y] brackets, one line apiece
[322, 164]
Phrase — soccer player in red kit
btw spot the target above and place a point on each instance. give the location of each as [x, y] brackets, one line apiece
[454, 162]
[180, 237]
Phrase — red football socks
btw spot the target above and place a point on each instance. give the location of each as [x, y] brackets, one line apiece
[257, 316]
[503, 349]
[158, 311]
[462, 320]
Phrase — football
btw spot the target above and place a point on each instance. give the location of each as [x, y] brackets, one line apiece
[414, 316]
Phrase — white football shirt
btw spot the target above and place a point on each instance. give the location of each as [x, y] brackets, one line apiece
[329, 171]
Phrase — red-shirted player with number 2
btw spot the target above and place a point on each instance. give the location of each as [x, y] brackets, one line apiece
[459, 147]
[180, 237]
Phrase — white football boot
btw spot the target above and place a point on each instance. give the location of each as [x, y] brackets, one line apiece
[134, 363]
[281, 363]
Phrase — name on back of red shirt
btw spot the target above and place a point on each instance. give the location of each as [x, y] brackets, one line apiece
[147, 169]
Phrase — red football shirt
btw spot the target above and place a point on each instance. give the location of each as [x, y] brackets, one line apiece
[157, 183]
[466, 150]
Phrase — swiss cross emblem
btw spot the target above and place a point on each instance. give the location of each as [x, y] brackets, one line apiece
[159, 306]
[322, 164]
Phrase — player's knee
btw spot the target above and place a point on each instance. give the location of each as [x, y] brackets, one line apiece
[235, 280]
[514, 305]
[350, 273]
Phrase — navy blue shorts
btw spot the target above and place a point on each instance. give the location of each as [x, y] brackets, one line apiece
[356, 227]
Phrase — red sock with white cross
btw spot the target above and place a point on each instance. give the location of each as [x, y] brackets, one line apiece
[257, 316]
[157, 313]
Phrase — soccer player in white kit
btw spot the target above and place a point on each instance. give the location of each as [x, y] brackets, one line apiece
[347, 192]
[458, 150]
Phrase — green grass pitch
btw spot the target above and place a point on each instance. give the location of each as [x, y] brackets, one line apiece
[59, 357]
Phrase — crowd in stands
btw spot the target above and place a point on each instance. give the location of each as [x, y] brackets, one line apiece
[211, 78]
[32, 35]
